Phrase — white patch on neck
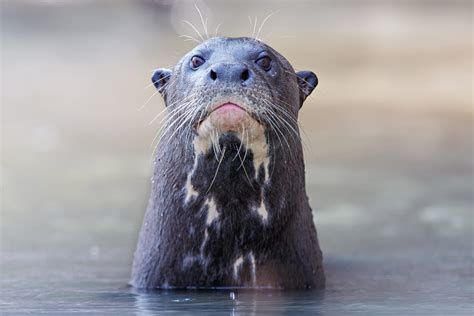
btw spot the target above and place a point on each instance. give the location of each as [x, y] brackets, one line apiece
[237, 265]
[262, 209]
[257, 143]
[212, 213]
[201, 145]
[253, 268]
[190, 190]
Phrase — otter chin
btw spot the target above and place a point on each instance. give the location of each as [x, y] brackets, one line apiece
[228, 204]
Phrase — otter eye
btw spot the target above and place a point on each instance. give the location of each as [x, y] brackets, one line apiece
[265, 62]
[196, 62]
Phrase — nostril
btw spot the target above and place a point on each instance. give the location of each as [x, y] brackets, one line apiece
[213, 75]
[244, 75]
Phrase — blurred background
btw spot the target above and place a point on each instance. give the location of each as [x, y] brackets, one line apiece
[389, 161]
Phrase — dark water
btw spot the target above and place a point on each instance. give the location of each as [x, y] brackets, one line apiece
[389, 154]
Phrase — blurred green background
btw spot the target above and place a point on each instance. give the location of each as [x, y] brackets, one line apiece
[389, 128]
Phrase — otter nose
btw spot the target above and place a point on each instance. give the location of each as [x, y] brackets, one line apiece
[230, 73]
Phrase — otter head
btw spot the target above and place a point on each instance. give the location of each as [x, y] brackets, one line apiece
[234, 85]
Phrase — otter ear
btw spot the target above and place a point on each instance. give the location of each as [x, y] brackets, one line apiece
[160, 78]
[307, 81]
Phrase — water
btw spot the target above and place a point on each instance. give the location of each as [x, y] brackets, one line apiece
[75, 283]
[389, 157]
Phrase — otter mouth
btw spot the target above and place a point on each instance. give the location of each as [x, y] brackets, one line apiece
[228, 116]
[229, 106]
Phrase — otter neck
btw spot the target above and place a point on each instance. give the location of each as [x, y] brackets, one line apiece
[232, 169]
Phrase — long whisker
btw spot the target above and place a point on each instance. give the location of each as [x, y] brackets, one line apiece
[215, 143]
[250, 22]
[271, 117]
[204, 24]
[151, 97]
[164, 128]
[185, 121]
[194, 28]
[245, 171]
[261, 25]
[217, 29]
[241, 143]
[292, 131]
[148, 100]
[254, 27]
[153, 82]
[171, 113]
[186, 118]
[184, 103]
[293, 120]
[274, 153]
[245, 154]
[188, 115]
[278, 120]
[190, 38]
[217, 170]
[273, 128]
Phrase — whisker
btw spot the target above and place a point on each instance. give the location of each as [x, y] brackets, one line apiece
[263, 23]
[214, 143]
[194, 28]
[190, 38]
[168, 123]
[272, 118]
[169, 114]
[292, 119]
[158, 115]
[292, 131]
[204, 24]
[273, 128]
[166, 85]
[190, 113]
[217, 170]
[274, 153]
[246, 173]
[254, 27]
[245, 154]
[165, 127]
[217, 29]
[148, 100]
[169, 106]
[241, 142]
[168, 128]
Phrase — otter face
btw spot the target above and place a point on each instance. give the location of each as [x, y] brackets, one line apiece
[234, 85]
